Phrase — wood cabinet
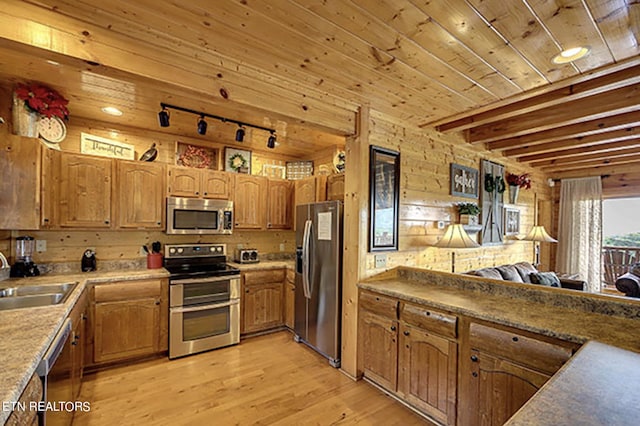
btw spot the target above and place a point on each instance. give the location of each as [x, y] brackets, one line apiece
[130, 319]
[502, 369]
[20, 183]
[201, 183]
[428, 361]
[279, 204]
[249, 201]
[262, 301]
[335, 187]
[140, 194]
[378, 337]
[290, 300]
[84, 191]
[78, 317]
[305, 191]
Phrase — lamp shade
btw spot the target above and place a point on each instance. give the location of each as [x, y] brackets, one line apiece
[538, 233]
[456, 237]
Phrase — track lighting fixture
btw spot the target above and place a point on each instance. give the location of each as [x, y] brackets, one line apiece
[271, 142]
[163, 117]
[202, 126]
[240, 134]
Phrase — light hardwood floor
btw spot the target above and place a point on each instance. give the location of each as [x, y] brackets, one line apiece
[267, 380]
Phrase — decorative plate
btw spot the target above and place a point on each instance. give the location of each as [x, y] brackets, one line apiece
[338, 162]
[52, 129]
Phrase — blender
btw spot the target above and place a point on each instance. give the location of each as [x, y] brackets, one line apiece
[24, 266]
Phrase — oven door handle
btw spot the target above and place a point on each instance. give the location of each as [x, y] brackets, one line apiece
[205, 280]
[206, 307]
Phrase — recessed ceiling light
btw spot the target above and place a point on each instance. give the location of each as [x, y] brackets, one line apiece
[570, 55]
[112, 111]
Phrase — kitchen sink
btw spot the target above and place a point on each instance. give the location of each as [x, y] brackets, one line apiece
[30, 296]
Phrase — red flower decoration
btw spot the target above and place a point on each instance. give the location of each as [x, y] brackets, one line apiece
[43, 100]
[523, 181]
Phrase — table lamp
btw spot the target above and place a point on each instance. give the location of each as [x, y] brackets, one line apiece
[456, 237]
[538, 234]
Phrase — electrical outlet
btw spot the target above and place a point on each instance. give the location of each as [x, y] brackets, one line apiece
[381, 260]
[41, 245]
[281, 246]
[441, 224]
[239, 246]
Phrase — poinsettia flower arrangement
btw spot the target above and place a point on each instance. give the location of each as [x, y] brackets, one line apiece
[43, 100]
[522, 181]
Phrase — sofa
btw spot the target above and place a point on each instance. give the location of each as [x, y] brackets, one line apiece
[629, 283]
[525, 272]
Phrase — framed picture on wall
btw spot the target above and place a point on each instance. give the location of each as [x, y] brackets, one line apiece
[464, 181]
[237, 160]
[511, 221]
[384, 198]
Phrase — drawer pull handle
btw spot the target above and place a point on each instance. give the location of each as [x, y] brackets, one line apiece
[474, 358]
[474, 374]
[393, 328]
[406, 333]
[515, 339]
[427, 313]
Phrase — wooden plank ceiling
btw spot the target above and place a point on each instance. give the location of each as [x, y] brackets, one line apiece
[478, 66]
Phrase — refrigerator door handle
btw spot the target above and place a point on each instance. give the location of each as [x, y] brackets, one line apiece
[306, 241]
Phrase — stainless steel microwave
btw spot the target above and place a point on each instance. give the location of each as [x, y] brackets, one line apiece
[199, 216]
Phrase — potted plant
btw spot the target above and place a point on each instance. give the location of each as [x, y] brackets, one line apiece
[30, 102]
[468, 213]
[515, 183]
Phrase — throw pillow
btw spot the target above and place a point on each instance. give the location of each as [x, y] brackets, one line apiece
[489, 273]
[549, 279]
[525, 269]
[509, 273]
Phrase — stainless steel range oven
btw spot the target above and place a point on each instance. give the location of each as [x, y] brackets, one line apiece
[204, 299]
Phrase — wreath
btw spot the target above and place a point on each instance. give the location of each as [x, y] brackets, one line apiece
[237, 161]
[494, 184]
[195, 157]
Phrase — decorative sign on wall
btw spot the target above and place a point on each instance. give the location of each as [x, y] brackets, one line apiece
[511, 221]
[103, 147]
[464, 181]
[237, 160]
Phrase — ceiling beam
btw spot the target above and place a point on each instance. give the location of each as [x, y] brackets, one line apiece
[602, 148]
[607, 124]
[608, 161]
[615, 80]
[586, 141]
[602, 105]
[603, 170]
[571, 161]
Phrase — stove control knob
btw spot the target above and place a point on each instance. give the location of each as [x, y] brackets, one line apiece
[212, 248]
[180, 250]
[172, 250]
[219, 249]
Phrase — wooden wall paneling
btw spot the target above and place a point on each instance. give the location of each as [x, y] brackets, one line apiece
[355, 236]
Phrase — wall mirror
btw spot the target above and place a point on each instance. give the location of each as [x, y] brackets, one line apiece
[384, 198]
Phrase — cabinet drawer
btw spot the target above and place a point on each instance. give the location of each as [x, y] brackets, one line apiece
[127, 290]
[537, 354]
[377, 303]
[264, 276]
[430, 320]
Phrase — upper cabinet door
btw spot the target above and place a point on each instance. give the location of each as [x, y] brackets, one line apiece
[279, 204]
[183, 181]
[140, 194]
[305, 191]
[216, 184]
[85, 191]
[249, 201]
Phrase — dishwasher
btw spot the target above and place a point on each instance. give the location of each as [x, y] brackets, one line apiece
[55, 372]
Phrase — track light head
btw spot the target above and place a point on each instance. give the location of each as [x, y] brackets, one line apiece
[271, 142]
[163, 117]
[202, 126]
[240, 134]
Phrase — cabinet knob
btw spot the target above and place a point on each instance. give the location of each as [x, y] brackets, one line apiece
[74, 343]
[515, 339]
[237, 224]
[46, 220]
[157, 302]
[197, 193]
[474, 358]
[76, 337]
[474, 374]
[246, 291]
[393, 328]
[206, 193]
[106, 221]
[406, 333]
[158, 223]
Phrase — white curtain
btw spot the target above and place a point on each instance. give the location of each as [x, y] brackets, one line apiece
[580, 230]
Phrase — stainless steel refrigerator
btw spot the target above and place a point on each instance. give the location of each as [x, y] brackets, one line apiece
[318, 305]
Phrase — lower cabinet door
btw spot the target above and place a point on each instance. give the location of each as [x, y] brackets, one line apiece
[379, 349]
[428, 373]
[498, 388]
[263, 306]
[126, 329]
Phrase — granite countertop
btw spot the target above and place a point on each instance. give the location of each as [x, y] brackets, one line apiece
[264, 264]
[564, 323]
[27, 333]
[598, 386]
